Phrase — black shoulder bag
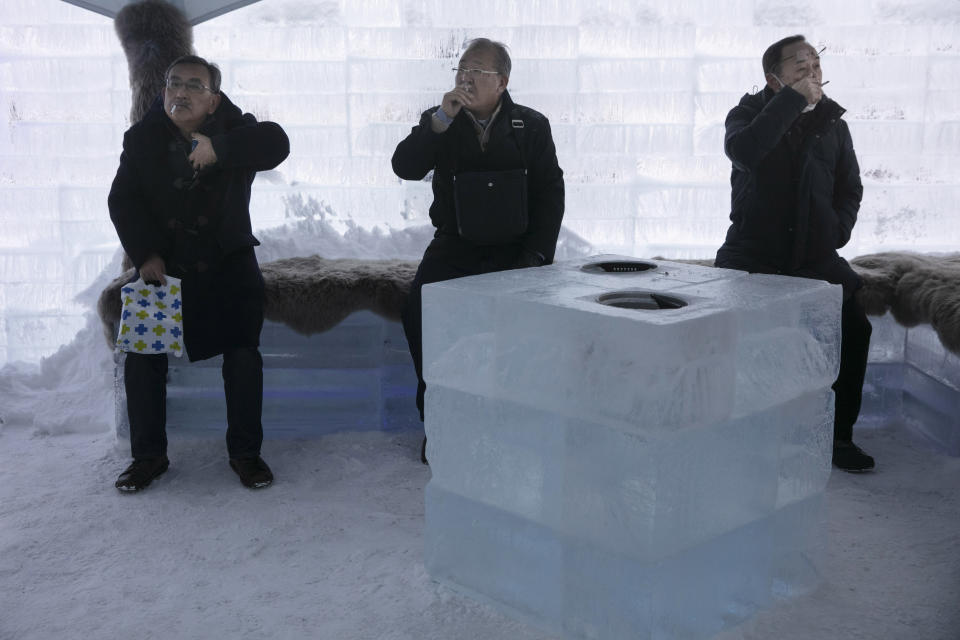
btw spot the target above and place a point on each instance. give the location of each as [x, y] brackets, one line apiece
[491, 206]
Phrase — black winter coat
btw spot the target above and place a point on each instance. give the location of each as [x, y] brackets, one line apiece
[458, 149]
[200, 225]
[795, 188]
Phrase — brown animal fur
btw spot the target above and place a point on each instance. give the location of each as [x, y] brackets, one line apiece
[915, 288]
[153, 34]
[310, 295]
[313, 294]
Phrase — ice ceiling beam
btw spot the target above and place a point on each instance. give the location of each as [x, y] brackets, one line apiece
[197, 11]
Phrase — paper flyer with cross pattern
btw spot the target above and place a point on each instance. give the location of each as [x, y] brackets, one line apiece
[151, 318]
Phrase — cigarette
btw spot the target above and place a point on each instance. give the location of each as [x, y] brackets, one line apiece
[173, 108]
[823, 84]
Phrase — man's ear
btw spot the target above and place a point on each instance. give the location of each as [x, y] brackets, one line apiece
[503, 84]
[214, 103]
[773, 82]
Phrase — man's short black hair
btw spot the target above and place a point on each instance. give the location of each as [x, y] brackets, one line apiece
[771, 57]
[501, 59]
[212, 69]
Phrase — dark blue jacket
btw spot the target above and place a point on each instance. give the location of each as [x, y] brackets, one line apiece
[795, 188]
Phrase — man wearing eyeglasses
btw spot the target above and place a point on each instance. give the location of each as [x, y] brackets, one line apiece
[795, 195]
[498, 193]
[180, 204]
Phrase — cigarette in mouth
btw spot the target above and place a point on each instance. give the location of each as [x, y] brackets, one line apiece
[823, 84]
[173, 108]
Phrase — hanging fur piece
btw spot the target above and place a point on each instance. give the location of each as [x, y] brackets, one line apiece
[153, 34]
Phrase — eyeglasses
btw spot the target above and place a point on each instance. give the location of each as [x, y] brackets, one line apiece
[474, 73]
[192, 86]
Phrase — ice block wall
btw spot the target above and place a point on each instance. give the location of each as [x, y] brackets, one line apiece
[636, 93]
[627, 472]
[914, 381]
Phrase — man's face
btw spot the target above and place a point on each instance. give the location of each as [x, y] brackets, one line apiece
[185, 105]
[797, 61]
[485, 88]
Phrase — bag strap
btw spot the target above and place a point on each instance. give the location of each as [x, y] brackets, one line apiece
[517, 126]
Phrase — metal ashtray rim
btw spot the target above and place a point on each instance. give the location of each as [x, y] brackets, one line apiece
[619, 266]
[641, 300]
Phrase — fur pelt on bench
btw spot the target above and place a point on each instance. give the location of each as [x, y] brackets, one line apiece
[313, 294]
[915, 288]
[310, 295]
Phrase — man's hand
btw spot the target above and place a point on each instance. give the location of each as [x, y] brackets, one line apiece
[456, 99]
[809, 88]
[203, 155]
[153, 270]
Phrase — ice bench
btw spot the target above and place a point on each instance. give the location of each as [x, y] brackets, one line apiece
[912, 377]
[335, 357]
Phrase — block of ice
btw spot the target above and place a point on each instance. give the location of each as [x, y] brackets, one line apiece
[642, 470]
[356, 376]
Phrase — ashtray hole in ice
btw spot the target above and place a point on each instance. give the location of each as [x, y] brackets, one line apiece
[618, 266]
[640, 300]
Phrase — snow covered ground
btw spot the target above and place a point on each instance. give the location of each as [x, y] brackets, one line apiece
[334, 548]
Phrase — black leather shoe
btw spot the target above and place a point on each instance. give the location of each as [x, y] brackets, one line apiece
[254, 472]
[141, 473]
[850, 457]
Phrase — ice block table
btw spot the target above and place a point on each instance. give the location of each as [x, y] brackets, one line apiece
[628, 450]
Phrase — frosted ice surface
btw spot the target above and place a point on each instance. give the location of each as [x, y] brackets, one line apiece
[570, 439]
[263, 77]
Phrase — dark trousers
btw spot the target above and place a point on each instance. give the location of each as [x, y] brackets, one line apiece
[446, 258]
[855, 331]
[145, 379]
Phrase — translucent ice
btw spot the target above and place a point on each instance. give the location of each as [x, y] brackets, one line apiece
[635, 452]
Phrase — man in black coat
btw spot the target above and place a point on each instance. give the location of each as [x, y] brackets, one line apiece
[795, 195]
[180, 204]
[498, 193]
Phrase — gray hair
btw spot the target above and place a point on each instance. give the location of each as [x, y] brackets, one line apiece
[501, 59]
[211, 68]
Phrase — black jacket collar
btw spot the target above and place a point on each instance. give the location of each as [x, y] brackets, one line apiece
[220, 120]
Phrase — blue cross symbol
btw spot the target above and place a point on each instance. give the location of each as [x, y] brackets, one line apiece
[158, 346]
[141, 329]
[176, 304]
[143, 303]
[161, 294]
[176, 332]
[159, 315]
[126, 314]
